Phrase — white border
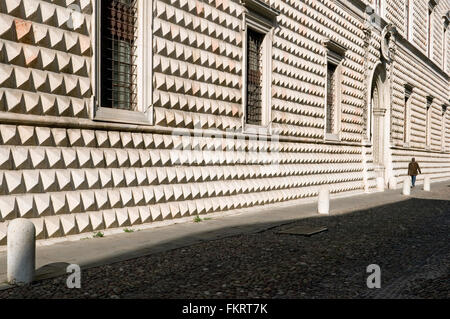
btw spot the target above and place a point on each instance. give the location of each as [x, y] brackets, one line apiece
[336, 134]
[144, 65]
[407, 119]
[252, 22]
[410, 25]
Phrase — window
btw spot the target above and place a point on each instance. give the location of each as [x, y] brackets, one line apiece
[331, 97]
[431, 5]
[378, 7]
[259, 22]
[428, 121]
[409, 16]
[118, 59]
[122, 60]
[335, 55]
[406, 114]
[430, 12]
[444, 109]
[445, 42]
[254, 77]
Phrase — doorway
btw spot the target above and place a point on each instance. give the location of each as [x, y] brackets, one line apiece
[377, 125]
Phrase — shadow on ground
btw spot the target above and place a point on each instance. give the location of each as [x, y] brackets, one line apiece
[407, 239]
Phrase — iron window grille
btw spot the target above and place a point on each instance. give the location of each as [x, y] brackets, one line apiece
[331, 97]
[254, 77]
[118, 56]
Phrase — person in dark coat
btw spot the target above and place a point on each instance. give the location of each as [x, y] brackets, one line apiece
[413, 171]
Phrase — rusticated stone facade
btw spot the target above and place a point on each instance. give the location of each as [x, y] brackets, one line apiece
[72, 166]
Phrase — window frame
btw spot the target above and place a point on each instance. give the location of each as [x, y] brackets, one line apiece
[260, 18]
[379, 7]
[446, 20]
[444, 111]
[143, 115]
[409, 91]
[335, 55]
[429, 32]
[409, 19]
[430, 15]
[428, 121]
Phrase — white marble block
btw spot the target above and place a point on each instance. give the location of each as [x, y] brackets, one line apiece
[406, 186]
[426, 183]
[380, 184]
[21, 251]
[392, 182]
[323, 206]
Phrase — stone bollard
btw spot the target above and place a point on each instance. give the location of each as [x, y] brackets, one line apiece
[380, 184]
[406, 186]
[392, 183]
[426, 183]
[323, 206]
[21, 251]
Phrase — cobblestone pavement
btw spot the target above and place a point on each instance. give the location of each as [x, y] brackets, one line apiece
[409, 240]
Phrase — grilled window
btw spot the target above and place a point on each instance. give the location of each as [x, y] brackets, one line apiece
[118, 55]
[254, 77]
[331, 97]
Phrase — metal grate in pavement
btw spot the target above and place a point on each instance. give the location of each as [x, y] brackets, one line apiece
[303, 230]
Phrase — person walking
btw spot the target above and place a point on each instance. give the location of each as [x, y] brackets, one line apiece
[413, 171]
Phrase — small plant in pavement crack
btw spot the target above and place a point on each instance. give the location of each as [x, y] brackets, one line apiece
[197, 219]
[98, 234]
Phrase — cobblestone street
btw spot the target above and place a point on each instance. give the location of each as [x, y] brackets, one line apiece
[409, 240]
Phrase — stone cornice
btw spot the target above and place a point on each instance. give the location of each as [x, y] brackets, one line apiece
[81, 123]
[408, 90]
[355, 7]
[446, 19]
[432, 4]
[261, 8]
[334, 46]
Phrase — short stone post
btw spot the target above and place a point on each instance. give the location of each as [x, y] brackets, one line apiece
[380, 184]
[323, 206]
[21, 251]
[406, 186]
[426, 183]
[392, 183]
